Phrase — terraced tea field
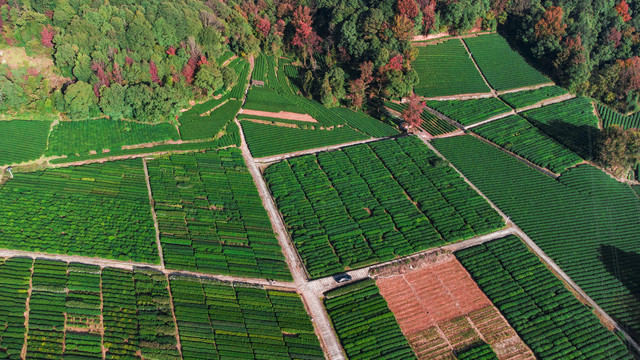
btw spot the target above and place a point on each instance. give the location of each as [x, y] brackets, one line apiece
[503, 67]
[373, 202]
[586, 221]
[211, 217]
[554, 326]
[81, 211]
[447, 69]
[442, 312]
[469, 112]
[521, 99]
[13, 147]
[612, 117]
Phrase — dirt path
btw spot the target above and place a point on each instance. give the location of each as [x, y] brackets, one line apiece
[525, 88]
[153, 212]
[497, 117]
[321, 322]
[173, 314]
[281, 115]
[546, 102]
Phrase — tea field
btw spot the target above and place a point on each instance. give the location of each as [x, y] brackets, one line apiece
[211, 217]
[430, 123]
[572, 123]
[517, 135]
[503, 67]
[550, 320]
[521, 99]
[373, 202]
[447, 69]
[469, 112]
[208, 126]
[22, 140]
[586, 221]
[70, 137]
[92, 210]
[611, 117]
[80, 311]
[365, 326]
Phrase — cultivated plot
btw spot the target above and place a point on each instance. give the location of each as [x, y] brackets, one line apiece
[469, 112]
[211, 218]
[91, 210]
[22, 140]
[503, 68]
[521, 99]
[586, 221]
[447, 69]
[442, 312]
[545, 314]
[373, 202]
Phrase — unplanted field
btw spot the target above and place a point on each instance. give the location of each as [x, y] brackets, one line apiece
[441, 311]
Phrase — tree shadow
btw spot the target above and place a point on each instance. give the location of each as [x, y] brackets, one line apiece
[580, 139]
[625, 266]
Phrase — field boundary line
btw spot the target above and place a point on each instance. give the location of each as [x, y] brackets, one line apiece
[525, 88]
[497, 117]
[152, 204]
[473, 59]
[567, 280]
[469, 96]
[173, 313]
[546, 102]
[27, 311]
[267, 160]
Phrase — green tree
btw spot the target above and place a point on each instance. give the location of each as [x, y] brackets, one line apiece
[208, 78]
[79, 99]
[113, 102]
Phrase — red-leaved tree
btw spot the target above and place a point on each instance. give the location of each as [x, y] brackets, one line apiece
[356, 93]
[171, 50]
[411, 114]
[305, 37]
[395, 63]
[190, 68]
[550, 24]
[263, 25]
[407, 8]
[98, 68]
[429, 17]
[116, 74]
[46, 36]
[615, 37]
[629, 74]
[153, 71]
[623, 9]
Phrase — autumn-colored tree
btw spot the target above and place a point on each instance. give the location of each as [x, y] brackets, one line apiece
[190, 68]
[429, 16]
[263, 25]
[357, 93]
[402, 27]
[407, 8]
[305, 37]
[572, 53]
[623, 9]
[394, 64]
[153, 71]
[615, 37]
[411, 114]
[619, 149]
[46, 36]
[629, 75]
[98, 68]
[550, 24]
[128, 60]
[171, 50]
[279, 28]
[366, 72]
[116, 74]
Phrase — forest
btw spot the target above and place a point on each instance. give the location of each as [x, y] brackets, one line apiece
[146, 60]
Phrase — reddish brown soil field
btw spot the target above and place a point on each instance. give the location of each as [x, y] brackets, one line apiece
[440, 310]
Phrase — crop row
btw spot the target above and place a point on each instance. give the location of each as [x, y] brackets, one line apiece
[204, 107]
[260, 68]
[201, 127]
[79, 311]
[503, 67]
[288, 76]
[516, 134]
[586, 221]
[365, 123]
[550, 320]
[373, 202]
[260, 138]
[219, 321]
[364, 324]
[430, 123]
[241, 67]
[612, 117]
[211, 218]
[572, 123]
[226, 55]
[92, 210]
[13, 145]
[520, 99]
[70, 137]
[469, 112]
[447, 69]
[479, 352]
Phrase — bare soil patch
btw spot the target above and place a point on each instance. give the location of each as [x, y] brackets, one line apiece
[281, 115]
[16, 57]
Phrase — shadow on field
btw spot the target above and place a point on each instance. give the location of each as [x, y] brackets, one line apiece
[625, 266]
[579, 138]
